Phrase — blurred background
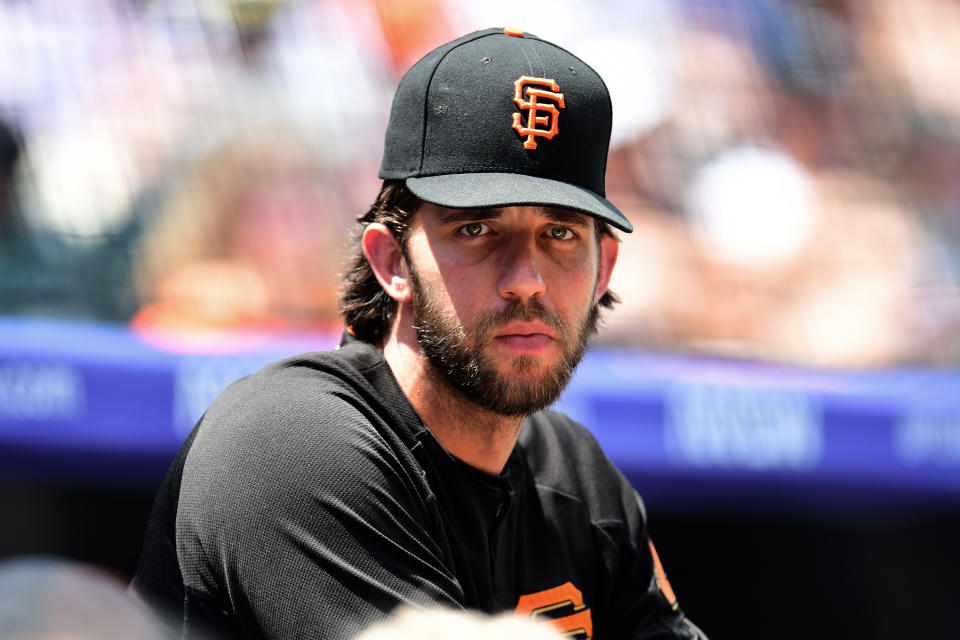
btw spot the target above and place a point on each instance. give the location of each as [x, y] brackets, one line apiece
[177, 183]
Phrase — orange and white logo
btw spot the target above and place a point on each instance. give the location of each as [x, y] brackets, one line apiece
[541, 117]
[565, 599]
[661, 576]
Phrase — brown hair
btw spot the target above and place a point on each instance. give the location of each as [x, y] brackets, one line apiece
[365, 306]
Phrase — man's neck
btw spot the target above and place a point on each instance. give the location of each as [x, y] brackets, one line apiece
[479, 437]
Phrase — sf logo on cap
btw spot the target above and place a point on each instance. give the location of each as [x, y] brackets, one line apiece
[543, 114]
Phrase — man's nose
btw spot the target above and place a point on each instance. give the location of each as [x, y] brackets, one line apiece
[521, 278]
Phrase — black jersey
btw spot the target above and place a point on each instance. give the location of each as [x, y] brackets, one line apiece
[311, 500]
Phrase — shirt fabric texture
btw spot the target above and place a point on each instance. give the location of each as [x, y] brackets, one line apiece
[311, 500]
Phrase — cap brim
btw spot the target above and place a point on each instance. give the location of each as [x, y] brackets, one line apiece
[475, 190]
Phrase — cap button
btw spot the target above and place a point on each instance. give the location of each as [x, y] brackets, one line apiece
[513, 31]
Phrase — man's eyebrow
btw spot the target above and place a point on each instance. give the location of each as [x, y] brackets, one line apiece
[469, 215]
[565, 216]
[561, 216]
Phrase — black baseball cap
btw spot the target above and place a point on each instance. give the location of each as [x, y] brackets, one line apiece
[501, 118]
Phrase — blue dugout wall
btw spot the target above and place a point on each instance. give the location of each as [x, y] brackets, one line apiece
[92, 401]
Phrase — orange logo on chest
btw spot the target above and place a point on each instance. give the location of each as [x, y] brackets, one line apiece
[541, 116]
[539, 605]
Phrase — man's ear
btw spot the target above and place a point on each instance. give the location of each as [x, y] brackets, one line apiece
[386, 259]
[609, 250]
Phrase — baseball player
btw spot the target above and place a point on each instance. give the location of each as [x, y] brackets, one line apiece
[416, 464]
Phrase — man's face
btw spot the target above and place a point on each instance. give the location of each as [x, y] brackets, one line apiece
[504, 300]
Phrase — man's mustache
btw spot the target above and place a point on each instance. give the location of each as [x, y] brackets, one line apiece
[532, 310]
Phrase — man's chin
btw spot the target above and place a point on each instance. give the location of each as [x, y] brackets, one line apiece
[530, 382]
[511, 358]
[526, 369]
[511, 387]
[524, 397]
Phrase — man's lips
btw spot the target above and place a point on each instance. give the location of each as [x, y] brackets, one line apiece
[525, 329]
[525, 338]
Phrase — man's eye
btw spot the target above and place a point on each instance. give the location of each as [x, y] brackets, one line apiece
[474, 229]
[560, 233]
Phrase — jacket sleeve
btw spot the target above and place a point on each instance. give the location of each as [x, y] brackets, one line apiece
[643, 604]
[303, 522]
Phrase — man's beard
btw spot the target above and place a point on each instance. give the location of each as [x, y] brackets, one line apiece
[458, 355]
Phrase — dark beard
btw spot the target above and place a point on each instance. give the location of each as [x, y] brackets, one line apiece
[459, 359]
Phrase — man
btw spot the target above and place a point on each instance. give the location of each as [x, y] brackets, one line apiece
[414, 464]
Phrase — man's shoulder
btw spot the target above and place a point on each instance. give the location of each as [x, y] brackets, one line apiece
[313, 415]
[295, 473]
[310, 386]
[303, 431]
[343, 366]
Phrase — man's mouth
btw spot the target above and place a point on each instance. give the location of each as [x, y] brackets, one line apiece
[525, 338]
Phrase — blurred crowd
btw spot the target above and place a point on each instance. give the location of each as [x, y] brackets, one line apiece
[791, 167]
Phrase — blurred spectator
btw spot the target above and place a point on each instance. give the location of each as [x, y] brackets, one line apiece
[29, 276]
[45, 598]
[848, 106]
[849, 301]
[788, 206]
[248, 236]
[912, 48]
[838, 286]
[9, 154]
[410, 28]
